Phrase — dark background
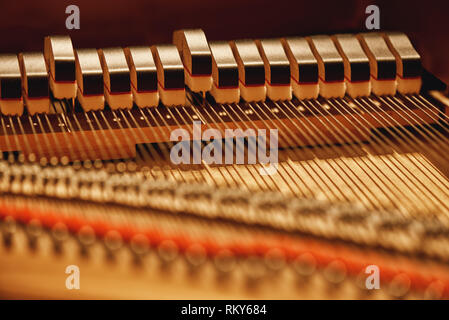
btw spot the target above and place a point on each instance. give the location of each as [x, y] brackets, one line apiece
[23, 24]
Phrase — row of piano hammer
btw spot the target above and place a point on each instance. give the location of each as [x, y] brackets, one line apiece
[330, 66]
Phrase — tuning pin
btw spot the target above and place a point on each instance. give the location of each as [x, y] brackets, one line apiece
[98, 164]
[108, 191]
[396, 230]
[86, 238]
[5, 179]
[157, 192]
[77, 165]
[59, 234]
[9, 227]
[349, 213]
[351, 220]
[28, 184]
[16, 184]
[271, 206]
[435, 290]
[335, 272]
[43, 161]
[49, 181]
[232, 204]
[61, 189]
[309, 207]
[96, 192]
[399, 286]
[33, 231]
[225, 261]
[275, 259]
[110, 167]
[305, 265]
[197, 199]
[167, 251]
[112, 242]
[139, 247]
[196, 256]
[254, 269]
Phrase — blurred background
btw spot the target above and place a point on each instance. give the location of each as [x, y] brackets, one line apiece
[23, 24]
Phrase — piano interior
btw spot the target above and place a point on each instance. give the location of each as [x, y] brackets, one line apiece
[170, 151]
